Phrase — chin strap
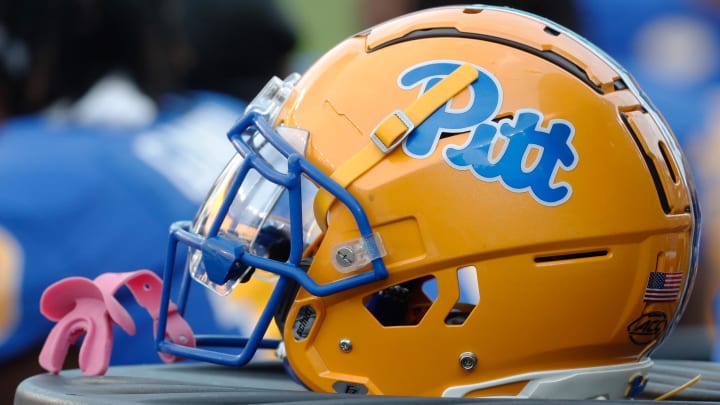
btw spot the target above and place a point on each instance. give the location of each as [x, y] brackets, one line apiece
[81, 306]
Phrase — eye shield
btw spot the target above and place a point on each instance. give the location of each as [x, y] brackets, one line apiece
[258, 217]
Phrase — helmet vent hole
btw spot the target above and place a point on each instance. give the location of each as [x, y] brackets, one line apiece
[403, 304]
[657, 181]
[668, 161]
[504, 115]
[472, 10]
[468, 298]
[551, 31]
[571, 256]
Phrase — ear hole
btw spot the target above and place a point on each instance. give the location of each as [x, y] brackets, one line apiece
[403, 304]
[406, 304]
[469, 296]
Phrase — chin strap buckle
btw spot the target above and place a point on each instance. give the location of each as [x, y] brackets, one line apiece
[81, 306]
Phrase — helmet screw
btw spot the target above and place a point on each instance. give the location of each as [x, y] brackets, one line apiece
[345, 345]
[345, 256]
[468, 360]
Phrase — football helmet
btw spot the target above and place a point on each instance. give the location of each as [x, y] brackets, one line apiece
[462, 201]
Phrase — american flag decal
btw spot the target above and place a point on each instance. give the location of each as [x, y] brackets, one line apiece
[663, 286]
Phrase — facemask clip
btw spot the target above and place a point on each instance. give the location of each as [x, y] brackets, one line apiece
[220, 258]
[357, 253]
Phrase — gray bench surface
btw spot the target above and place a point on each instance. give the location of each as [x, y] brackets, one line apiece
[267, 383]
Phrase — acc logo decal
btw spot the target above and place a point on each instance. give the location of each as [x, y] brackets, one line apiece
[647, 327]
[10, 272]
[518, 152]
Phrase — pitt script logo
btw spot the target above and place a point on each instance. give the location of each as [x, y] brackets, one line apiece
[494, 151]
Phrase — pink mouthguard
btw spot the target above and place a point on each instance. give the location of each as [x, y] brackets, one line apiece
[83, 306]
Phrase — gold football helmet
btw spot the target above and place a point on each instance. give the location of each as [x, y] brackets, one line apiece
[463, 201]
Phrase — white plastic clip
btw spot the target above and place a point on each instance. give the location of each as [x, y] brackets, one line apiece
[354, 254]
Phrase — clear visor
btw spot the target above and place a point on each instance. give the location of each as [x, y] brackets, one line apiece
[258, 216]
